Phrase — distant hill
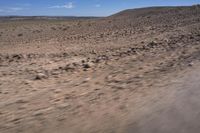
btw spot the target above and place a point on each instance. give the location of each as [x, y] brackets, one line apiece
[43, 17]
[148, 11]
[151, 16]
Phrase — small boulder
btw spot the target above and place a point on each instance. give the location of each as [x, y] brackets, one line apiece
[40, 76]
[69, 67]
[86, 65]
[19, 35]
[191, 64]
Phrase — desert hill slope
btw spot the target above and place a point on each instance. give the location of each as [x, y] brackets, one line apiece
[124, 24]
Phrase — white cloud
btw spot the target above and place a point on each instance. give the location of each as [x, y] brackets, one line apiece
[10, 9]
[69, 5]
[97, 5]
[55, 7]
[15, 9]
[24, 4]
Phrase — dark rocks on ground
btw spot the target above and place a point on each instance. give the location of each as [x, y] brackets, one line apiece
[83, 61]
[40, 76]
[86, 65]
[97, 60]
[69, 67]
[152, 44]
[191, 64]
[19, 35]
[17, 56]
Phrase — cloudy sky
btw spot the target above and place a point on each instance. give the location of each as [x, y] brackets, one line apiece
[80, 7]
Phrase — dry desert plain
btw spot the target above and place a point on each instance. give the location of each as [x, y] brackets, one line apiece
[136, 71]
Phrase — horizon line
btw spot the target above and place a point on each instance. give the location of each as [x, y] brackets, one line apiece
[84, 16]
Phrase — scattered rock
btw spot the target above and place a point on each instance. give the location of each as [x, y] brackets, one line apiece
[27, 82]
[38, 113]
[15, 119]
[86, 80]
[63, 106]
[75, 64]
[57, 91]
[97, 60]
[86, 65]
[40, 76]
[20, 35]
[56, 72]
[152, 44]
[17, 56]
[21, 101]
[138, 76]
[191, 64]
[69, 67]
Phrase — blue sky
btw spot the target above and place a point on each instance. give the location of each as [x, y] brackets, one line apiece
[80, 7]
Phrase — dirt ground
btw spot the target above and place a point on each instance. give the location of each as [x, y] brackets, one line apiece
[103, 75]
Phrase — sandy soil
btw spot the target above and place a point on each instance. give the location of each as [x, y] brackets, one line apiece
[99, 75]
